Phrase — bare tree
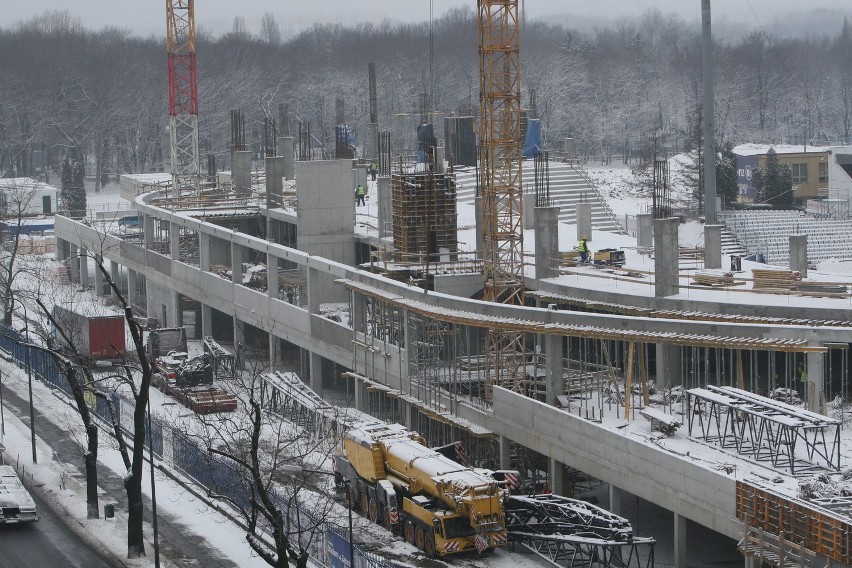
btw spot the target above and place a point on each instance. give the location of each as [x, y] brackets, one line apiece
[269, 30]
[16, 201]
[260, 444]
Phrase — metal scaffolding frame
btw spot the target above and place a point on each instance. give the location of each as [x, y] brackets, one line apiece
[765, 429]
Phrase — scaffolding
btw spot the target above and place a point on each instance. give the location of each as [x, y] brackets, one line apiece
[424, 215]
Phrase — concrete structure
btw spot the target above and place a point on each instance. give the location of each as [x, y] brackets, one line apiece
[645, 230]
[712, 246]
[799, 254]
[584, 221]
[241, 173]
[665, 257]
[347, 319]
[546, 224]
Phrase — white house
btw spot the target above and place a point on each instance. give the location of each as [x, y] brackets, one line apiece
[31, 197]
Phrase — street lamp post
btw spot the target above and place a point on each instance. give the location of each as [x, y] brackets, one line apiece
[285, 468]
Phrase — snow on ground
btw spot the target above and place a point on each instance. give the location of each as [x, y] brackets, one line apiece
[60, 481]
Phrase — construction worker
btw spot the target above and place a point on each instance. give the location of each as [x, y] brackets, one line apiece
[583, 249]
[360, 193]
[803, 378]
[374, 169]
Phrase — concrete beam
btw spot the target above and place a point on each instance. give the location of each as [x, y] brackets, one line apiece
[584, 221]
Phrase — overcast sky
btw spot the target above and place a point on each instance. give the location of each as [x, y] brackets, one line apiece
[148, 16]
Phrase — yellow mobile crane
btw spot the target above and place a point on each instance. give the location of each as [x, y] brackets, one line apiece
[440, 506]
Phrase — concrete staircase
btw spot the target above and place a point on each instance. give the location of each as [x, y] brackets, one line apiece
[730, 244]
[569, 186]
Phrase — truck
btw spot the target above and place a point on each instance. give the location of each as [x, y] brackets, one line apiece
[437, 504]
[16, 503]
[166, 340]
[190, 382]
[95, 337]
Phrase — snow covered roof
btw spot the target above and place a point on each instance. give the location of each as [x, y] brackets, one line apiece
[25, 183]
[760, 149]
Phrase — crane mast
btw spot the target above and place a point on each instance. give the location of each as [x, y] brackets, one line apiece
[183, 94]
[502, 197]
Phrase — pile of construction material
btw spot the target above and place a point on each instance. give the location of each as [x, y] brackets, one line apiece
[715, 279]
[790, 282]
[775, 281]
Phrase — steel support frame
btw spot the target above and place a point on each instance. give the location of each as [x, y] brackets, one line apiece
[578, 552]
[765, 431]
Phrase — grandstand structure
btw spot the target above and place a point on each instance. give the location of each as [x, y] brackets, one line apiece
[767, 233]
[569, 186]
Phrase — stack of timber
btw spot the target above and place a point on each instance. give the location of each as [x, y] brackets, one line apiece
[775, 281]
[715, 279]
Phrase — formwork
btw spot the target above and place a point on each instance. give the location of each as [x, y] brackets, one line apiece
[424, 215]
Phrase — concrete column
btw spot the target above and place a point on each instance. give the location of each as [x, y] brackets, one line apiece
[314, 288]
[546, 223]
[584, 221]
[816, 382]
[74, 264]
[206, 321]
[529, 210]
[114, 274]
[712, 246]
[554, 354]
[99, 278]
[276, 354]
[557, 477]
[84, 268]
[373, 133]
[665, 257]
[359, 313]
[131, 286]
[272, 282]
[480, 227]
[204, 251]
[750, 562]
[174, 241]
[241, 173]
[148, 230]
[237, 263]
[669, 363]
[614, 500]
[799, 254]
[385, 212]
[645, 230]
[315, 362]
[274, 182]
[679, 541]
[240, 342]
[440, 152]
[285, 143]
[505, 453]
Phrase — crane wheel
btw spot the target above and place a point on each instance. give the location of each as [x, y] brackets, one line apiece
[420, 538]
[374, 512]
[430, 545]
[409, 532]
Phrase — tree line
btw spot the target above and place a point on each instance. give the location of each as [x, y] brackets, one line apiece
[100, 98]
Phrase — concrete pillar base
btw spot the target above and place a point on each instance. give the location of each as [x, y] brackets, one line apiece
[679, 541]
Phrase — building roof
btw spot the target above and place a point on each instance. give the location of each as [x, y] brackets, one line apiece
[761, 149]
[25, 183]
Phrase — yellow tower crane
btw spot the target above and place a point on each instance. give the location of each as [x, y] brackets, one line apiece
[502, 197]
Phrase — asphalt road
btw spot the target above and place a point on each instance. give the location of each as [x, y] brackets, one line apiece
[47, 543]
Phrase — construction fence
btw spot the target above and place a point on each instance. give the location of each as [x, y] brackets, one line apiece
[327, 542]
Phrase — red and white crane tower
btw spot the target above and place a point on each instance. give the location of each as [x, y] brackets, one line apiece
[183, 95]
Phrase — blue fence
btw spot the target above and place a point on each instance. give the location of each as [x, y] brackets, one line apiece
[325, 541]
